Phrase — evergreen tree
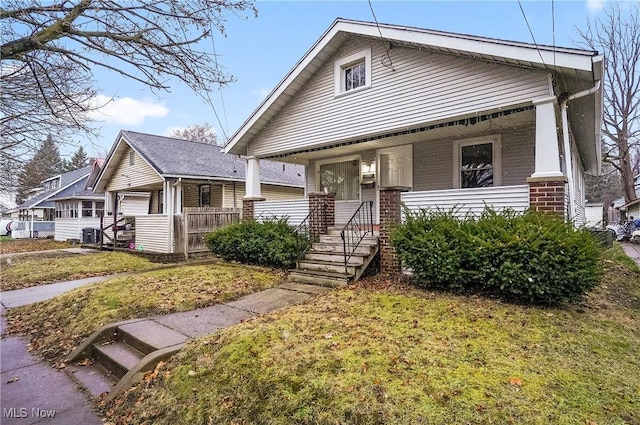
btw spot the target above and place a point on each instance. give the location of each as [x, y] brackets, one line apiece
[78, 160]
[46, 162]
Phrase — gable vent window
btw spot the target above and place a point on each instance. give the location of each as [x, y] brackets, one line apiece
[132, 158]
[353, 73]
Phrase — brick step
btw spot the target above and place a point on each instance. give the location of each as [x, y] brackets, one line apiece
[117, 357]
[355, 259]
[325, 266]
[320, 278]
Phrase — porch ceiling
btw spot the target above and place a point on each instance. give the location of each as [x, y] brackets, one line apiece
[451, 132]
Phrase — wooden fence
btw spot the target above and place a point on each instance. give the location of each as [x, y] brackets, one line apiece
[192, 226]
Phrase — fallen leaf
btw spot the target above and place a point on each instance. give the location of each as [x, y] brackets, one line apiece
[516, 382]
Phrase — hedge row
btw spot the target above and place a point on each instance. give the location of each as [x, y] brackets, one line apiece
[529, 257]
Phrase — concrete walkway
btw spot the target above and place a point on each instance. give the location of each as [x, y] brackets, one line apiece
[32, 392]
[633, 251]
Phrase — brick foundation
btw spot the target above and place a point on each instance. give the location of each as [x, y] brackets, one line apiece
[390, 214]
[548, 195]
[325, 215]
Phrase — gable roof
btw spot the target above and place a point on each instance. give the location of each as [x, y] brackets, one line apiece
[586, 65]
[45, 199]
[78, 190]
[176, 158]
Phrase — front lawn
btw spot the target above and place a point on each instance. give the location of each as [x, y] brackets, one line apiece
[56, 326]
[9, 245]
[382, 352]
[19, 272]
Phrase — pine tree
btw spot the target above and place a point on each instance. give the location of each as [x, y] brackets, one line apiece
[46, 162]
[78, 160]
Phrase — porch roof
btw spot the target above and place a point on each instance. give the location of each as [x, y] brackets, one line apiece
[580, 68]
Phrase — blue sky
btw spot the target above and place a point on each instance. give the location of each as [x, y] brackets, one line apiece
[259, 52]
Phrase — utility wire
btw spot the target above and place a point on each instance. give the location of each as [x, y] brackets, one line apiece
[381, 39]
[532, 36]
[224, 109]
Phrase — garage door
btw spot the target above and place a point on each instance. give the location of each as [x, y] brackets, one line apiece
[134, 203]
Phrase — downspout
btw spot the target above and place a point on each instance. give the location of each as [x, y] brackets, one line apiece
[567, 144]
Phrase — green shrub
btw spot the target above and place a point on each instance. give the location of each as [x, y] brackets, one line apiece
[529, 257]
[269, 243]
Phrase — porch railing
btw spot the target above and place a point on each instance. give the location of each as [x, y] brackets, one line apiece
[308, 231]
[359, 225]
[104, 237]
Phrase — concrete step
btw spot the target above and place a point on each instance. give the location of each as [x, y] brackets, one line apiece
[147, 336]
[355, 260]
[319, 278]
[338, 248]
[117, 357]
[95, 378]
[325, 266]
[336, 239]
[337, 230]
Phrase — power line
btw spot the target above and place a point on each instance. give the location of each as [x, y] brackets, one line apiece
[224, 109]
[381, 39]
[532, 36]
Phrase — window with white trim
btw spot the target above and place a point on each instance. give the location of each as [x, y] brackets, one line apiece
[204, 195]
[477, 163]
[341, 178]
[87, 208]
[353, 72]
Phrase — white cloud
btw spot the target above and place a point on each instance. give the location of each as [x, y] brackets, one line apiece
[595, 5]
[126, 110]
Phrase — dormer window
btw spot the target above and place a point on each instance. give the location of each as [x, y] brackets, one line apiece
[353, 72]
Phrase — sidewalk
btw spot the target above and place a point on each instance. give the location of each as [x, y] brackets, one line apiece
[32, 392]
[633, 251]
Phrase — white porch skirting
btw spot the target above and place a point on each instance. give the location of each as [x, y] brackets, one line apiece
[469, 200]
[295, 210]
[153, 233]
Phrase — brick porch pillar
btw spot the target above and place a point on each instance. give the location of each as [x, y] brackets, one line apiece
[390, 214]
[248, 204]
[548, 194]
[324, 217]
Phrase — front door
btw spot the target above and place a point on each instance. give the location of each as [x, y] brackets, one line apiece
[395, 168]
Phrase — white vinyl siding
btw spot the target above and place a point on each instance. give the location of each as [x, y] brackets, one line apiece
[127, 176]
[345, 210]
[295, 210]
[470, 200]
[71, 228]
[423, 87]
[152, 233]
[578, 189]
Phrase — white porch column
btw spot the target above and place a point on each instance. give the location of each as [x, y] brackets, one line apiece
[109, 203]
[252, 183]
[178, 197]
[168, 197]
[547, 155]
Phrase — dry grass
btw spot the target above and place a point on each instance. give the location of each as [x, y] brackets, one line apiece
[24, 272]
[56, 326]
[383, 353]
[29, 245]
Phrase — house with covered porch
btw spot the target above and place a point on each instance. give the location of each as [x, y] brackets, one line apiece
[163, 194]
[385, 115]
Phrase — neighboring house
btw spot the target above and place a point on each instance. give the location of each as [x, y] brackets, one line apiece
[153, 178]
[78, 208]
[41, 206]
[392, 114]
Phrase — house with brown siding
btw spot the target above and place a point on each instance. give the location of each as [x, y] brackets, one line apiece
[384, 115]
[150, 179]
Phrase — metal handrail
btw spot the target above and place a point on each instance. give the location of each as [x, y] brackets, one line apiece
[305, 232]
[359, 225]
